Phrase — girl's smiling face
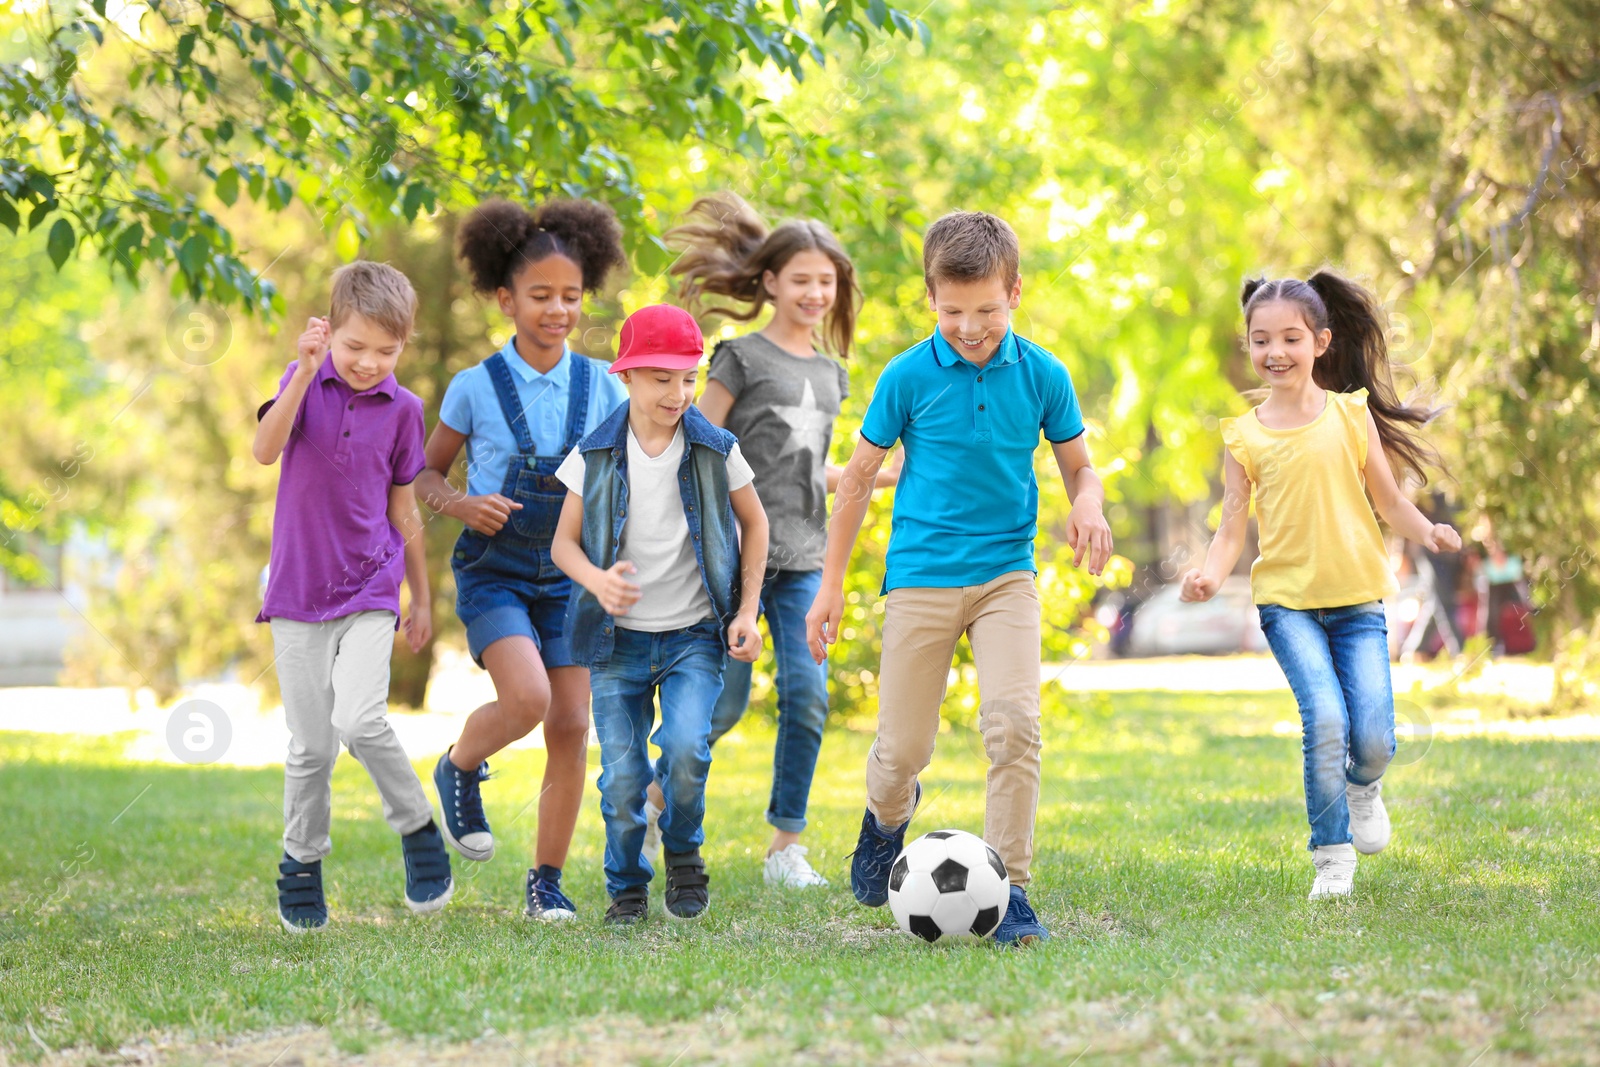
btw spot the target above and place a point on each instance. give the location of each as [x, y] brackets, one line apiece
[1283, 347]
[544, 300]
[804, 291]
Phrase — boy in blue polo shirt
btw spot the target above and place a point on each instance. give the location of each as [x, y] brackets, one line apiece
[968, 404]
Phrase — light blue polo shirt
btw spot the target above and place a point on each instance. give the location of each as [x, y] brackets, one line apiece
[967, 506]
[470, 408]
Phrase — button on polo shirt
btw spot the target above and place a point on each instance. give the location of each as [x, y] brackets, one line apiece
[966, 506]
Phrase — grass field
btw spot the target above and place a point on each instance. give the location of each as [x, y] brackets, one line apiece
[138, 926]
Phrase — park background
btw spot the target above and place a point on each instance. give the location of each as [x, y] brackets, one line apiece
[180, 179]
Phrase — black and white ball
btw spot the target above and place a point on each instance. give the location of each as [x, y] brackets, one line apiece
[948, 884]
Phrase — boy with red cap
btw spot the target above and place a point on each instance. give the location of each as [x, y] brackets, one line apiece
[667, 582]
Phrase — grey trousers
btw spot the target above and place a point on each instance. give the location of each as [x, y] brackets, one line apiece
[335, 681]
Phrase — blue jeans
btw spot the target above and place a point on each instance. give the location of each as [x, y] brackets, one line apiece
[685, 668]
[802, 685]
[1337, 663]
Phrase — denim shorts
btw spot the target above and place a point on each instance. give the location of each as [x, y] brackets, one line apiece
[506, 587]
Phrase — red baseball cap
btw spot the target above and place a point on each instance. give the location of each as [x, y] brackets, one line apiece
[660, 336]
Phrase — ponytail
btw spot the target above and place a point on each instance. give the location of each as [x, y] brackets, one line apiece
[727, 251]
[1357, 358]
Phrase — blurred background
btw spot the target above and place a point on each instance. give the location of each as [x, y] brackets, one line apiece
[180, 179]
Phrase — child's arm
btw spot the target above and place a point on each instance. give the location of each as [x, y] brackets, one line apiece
[849, 511]
[614, 591]
[273, 431]
[1087, 529]
[403, 512]
[1202, 583]
[1395, 509]
[887, 478]
[486, 514]
[744, 639]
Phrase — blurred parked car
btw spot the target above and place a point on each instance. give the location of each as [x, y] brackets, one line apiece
[1165, 626]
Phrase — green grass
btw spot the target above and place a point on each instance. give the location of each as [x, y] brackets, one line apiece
[1170, 865]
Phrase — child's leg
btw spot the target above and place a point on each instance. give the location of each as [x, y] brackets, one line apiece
[1003, 626]
[690, 681]
[623, 714]
[1358, 639]
[522, 697]
[1300, 645]
[920, 629]
[566, 747]
[360, 715]
[802, 698]
[304, 653]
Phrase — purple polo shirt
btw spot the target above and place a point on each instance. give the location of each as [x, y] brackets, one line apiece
[334, 550]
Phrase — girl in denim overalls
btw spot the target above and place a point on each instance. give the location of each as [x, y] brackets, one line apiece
[519, 412]
[1317, 455]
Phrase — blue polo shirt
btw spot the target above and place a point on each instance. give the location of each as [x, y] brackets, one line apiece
[967, 506]
[471, 408]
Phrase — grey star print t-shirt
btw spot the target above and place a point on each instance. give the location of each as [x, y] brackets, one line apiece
[783, 411]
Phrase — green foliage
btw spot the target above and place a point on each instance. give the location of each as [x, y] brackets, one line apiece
[366, 112]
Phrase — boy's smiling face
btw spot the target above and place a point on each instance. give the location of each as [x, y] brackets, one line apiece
[658, 395]
[975, 315]
[364, 353]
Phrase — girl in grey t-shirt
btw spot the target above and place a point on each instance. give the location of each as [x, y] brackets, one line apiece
[778, 390]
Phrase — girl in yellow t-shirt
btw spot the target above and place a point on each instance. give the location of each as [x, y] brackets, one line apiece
[1320, 454]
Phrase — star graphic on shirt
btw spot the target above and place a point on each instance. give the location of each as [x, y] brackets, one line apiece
[808, 424]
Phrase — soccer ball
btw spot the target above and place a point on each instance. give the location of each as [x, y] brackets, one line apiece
[948, 884]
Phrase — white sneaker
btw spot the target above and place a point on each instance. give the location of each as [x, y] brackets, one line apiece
[1369, 819]
[1336, 871]
[652, 831]
[788, 867]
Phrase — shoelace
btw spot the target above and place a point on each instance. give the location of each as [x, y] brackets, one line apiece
[1020, 911]
[468, 800]
[550, 896]
[1361, 803]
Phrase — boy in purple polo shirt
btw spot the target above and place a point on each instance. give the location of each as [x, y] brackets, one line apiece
[345, 530]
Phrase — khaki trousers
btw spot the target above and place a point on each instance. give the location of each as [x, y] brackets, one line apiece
[921, 628]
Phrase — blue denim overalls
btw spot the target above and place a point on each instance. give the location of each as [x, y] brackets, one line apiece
[507, 584]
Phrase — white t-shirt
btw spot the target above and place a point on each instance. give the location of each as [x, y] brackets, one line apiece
[655, 535]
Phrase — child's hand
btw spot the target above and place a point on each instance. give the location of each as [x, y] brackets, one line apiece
[744, 639]
[1197, 587]
[313, 345]
[486, 514]
[1089, 533]
[822, 621]
[1442, 538]
[616, 593]
[418, 625]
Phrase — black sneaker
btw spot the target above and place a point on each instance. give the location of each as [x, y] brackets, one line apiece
[545, 900]
[464, 824]
[687, 895]
[428, 882]
[629, 907]
[301, 906]
[875, 853]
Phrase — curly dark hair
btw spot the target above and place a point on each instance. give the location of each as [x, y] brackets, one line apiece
[500, 238]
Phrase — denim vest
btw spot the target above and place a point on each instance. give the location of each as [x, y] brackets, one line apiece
[703, 485]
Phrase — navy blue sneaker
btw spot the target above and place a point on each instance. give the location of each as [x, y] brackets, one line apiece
[464, 825]
[428, 882]
[629, 907]
[875, 853]
[1020, 925]
[301, 905]
[545, 900]
[688, 894]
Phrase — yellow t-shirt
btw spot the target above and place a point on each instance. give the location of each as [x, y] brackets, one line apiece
[1320, 545]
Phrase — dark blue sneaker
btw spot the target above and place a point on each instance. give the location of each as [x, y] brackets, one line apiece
[464, 824]
[1020, 925]
[875, 853]
[545, 900]
[428, 882]
[301, 905]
